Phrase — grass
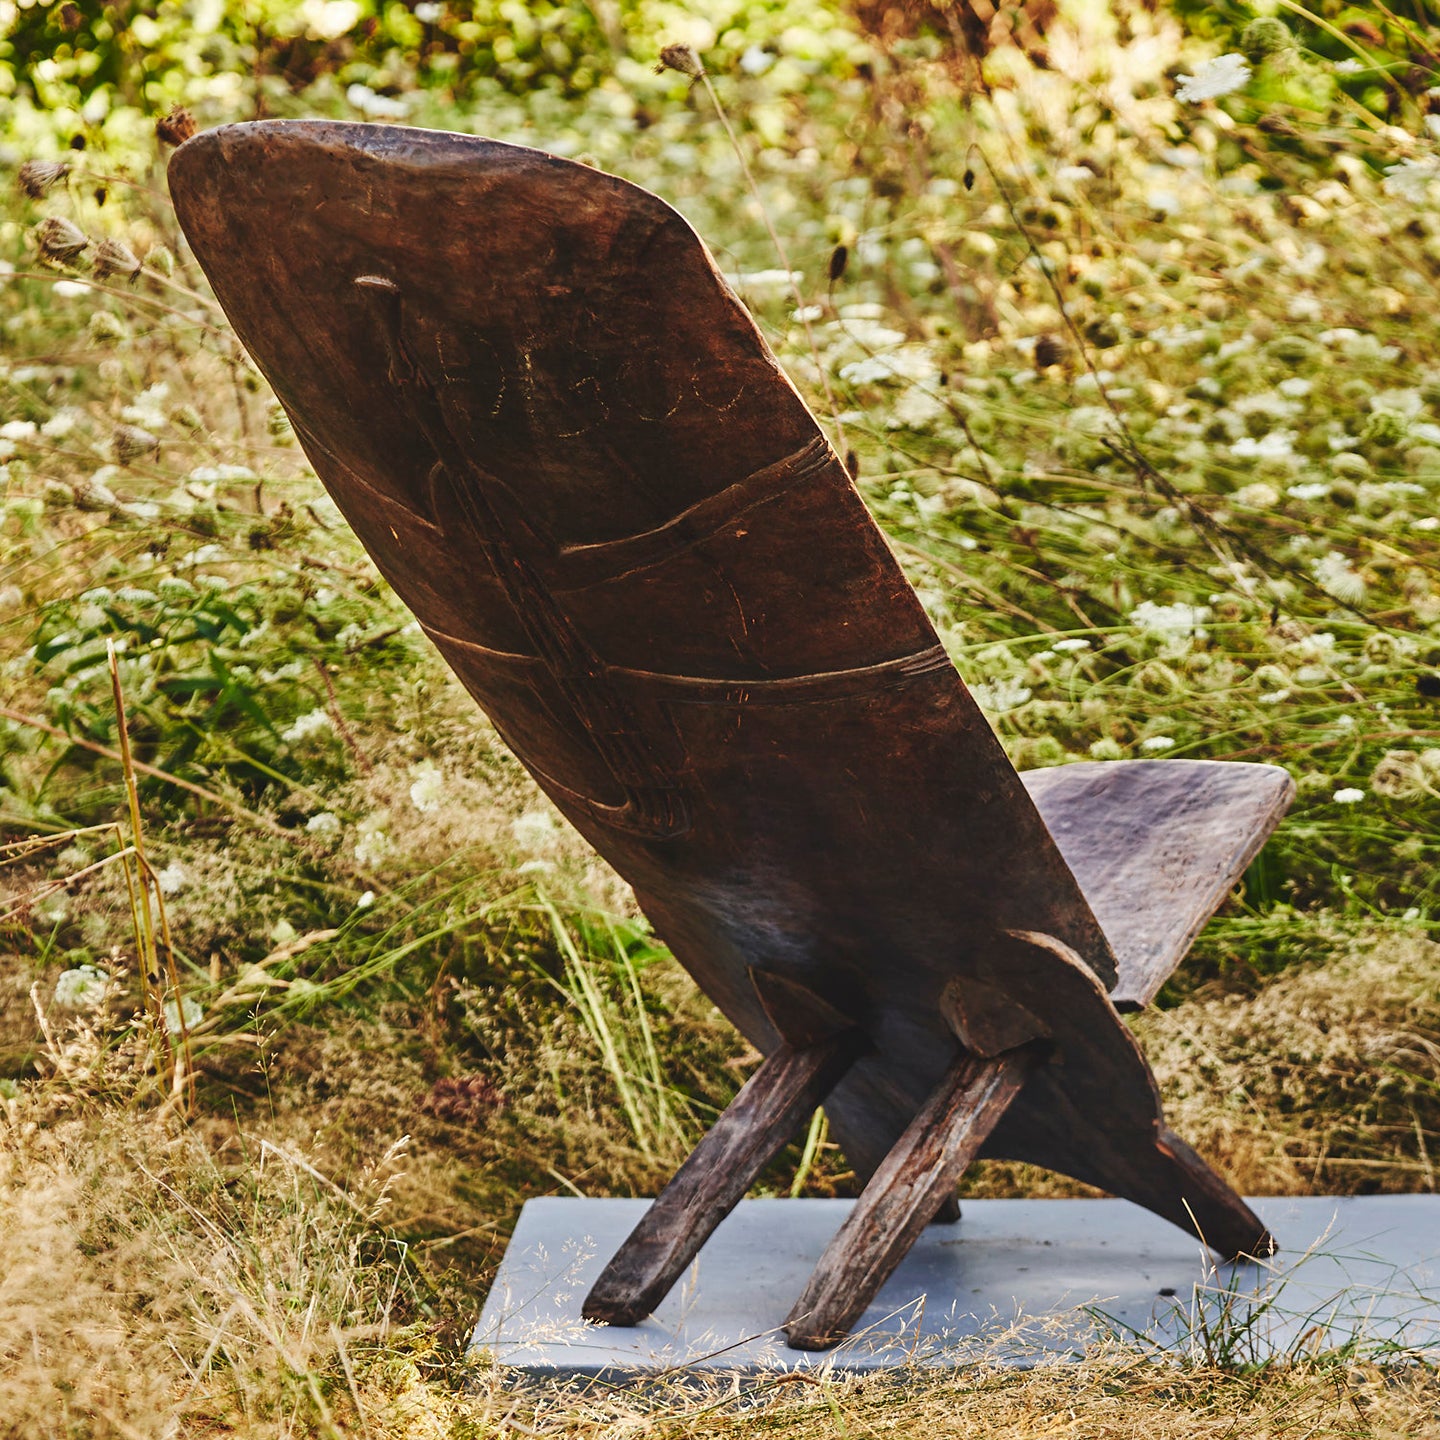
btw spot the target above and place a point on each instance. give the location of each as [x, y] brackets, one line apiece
[1144, 395]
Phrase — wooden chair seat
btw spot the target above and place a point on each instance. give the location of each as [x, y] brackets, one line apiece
[1157, 845]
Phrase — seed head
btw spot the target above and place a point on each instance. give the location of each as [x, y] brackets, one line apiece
[176, 127]
[839, 259]
[37, 177]
[60, 240]
[159, 259]
[105, 326]
[130, 443]
[682, 58]
[1264, 36]
[114, 257]
[1049, 350]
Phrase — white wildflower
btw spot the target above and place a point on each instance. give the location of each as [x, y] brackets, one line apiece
[534, 830]
[1348, 796]
[1309, 490]
[1336, 576]
[189, 1010]
[366, 900]
[377, 107]
[1221, 76]
[313, 722]
[756, 61]
[998, 696]
[915, 409]
[173, 878]
[148, 408]
[330, 19]
[282, 932]
[19, 430]
[1074, 174]
[1410, 180]
[428, 788]
[374, 844]
[1259, 496]
[60, 424]
[1277, 445]
[1074, 643]
[427, 12]
[1157, 742]
[1171, 621]
[83, 988]
[323, 824]
[71, 289]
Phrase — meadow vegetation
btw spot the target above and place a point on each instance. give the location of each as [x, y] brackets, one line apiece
[1132, 352]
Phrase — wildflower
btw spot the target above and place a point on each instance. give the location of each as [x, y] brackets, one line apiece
[1348, 796]
[282, 932]
[60, 424]
[323, 824]
[1157, 742]
[60, 240]
[1220, 76]
[1170, 621]
[427, 12]
[428, 789]
[159, 259]
[313, 722]
[173, 878]
[104, 325]
[71, 289]
[1074, 643]
[534, 829]
[176, 127]
[37, 177]
[998, 696]
[114, 257]
[130, 442]
[682, 58]
[1277, 445]
[185, 1015]
[377, 107]
[19, 430]
[1337, 577]
[1411, 179]
[148, 407]
[373, 845]
[83, 988]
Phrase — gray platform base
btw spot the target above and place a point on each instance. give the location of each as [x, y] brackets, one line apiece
[1014, 1282]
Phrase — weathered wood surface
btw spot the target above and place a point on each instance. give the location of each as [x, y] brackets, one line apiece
[905, 1194]
[771, 1105]
[567, 447]
[1157, 846]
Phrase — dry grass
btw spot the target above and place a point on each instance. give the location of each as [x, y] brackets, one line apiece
[244, 1275]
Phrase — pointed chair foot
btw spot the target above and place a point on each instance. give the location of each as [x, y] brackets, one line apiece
[788, 1085]
[1204, 1204]
[906, 1193]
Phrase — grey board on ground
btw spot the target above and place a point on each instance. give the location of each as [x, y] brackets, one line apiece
[1015, 1282]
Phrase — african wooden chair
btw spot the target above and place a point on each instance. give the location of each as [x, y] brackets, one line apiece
[567, 447]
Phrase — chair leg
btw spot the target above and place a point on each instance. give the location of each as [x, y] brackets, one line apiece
[905, 1193]
[783, 1091]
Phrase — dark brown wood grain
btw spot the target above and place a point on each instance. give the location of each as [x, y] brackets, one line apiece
[776, 1099]
[567, 447]
[905, 1194]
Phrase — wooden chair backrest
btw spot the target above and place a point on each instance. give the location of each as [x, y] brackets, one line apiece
[570, 451]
